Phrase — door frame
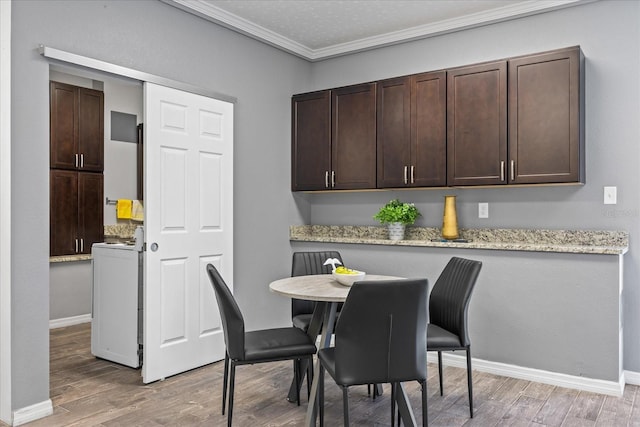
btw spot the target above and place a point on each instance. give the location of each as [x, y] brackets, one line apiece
[5, 212]
[66, 58]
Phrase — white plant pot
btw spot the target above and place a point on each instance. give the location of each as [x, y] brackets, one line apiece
[396, 230]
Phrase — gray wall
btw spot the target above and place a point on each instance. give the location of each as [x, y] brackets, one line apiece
[173, 44]
[156, 38]
[609, 35]
[530, 309]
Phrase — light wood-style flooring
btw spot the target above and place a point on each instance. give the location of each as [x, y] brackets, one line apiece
[91, 392]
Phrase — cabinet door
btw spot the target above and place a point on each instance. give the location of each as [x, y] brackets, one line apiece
[310, 141]
[63, 123]
[90, 210]
[546, 142]
[393, 132]
[353, 139]
[91, 129]
[477, 124]
[63, 212]
[428, 130]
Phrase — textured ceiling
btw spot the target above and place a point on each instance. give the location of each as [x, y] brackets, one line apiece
[319, 29]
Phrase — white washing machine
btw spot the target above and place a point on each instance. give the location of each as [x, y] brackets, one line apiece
[116, 324]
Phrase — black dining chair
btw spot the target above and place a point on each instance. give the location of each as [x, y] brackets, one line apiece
[304, 264]
[247, 348]
[379, 338]
[448, 306]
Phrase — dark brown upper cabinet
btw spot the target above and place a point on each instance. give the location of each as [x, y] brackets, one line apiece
[333, 139]
[512, 121]
[311, 141]
[353, 137]
[477, 124]
[77, 128]
[411, 131]
[546, 117]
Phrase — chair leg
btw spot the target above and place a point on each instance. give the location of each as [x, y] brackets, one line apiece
[440, 370]
[425, 414]
[309, 376]
[393, 404]
[232, 381]
[225, 381]
[320, 400]
[469, 381]
[296, 375]
[345, 404]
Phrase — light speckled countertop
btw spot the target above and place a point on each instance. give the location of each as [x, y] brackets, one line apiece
[533, 240]
[114, 233]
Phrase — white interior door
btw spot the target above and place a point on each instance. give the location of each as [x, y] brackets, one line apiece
[188, 205]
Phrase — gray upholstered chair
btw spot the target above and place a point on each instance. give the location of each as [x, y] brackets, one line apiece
[379, 338]
[448, 306]
[247, 348]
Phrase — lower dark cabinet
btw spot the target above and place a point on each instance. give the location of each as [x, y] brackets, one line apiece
[76, 211]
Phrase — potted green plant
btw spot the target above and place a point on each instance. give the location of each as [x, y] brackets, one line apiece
[397, 215]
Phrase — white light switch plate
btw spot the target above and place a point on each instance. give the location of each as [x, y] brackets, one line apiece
[483, 210]
[610, 195]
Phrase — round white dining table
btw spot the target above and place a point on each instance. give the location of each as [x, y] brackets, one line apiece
[317, 287]
[327, 292]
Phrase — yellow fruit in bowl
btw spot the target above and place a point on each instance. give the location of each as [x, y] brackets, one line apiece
[346, 276]
[344, 270]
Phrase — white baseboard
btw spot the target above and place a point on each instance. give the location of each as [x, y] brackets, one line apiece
[69, 321]
[612, 388]
[632, 377]
[33, 412]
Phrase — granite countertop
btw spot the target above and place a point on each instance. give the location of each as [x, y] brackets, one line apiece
[114, 233]
[533, 240]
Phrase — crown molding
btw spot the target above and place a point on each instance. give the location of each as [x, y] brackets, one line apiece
[512, 11]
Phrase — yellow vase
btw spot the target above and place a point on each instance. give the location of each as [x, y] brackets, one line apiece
[450, 219]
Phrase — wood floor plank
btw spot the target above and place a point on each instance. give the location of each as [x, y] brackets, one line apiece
[89, 392]
[555, 409]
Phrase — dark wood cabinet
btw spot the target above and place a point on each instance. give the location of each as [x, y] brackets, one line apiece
[394, 132]
[311, 141]
[411, 131]
[512, 121]
[546, 125]
[76, 216]
[353, 137]
[77, 128]
[76, 165]
[333, 142]
[477, 124]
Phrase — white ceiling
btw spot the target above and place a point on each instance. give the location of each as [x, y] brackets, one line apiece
[320, 29]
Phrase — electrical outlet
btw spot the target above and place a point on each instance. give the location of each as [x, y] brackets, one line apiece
[483, 210]
[610, 195]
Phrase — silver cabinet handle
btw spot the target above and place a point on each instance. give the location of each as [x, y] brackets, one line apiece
[333, 179]
[81, 245]
[326, 179]
[513, 170]
[76, 160]
[413, 180]
[81, 161]
[502, 170]
[76, 245]
[406, 180]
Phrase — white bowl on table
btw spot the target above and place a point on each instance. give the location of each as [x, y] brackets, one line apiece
[348, 279]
